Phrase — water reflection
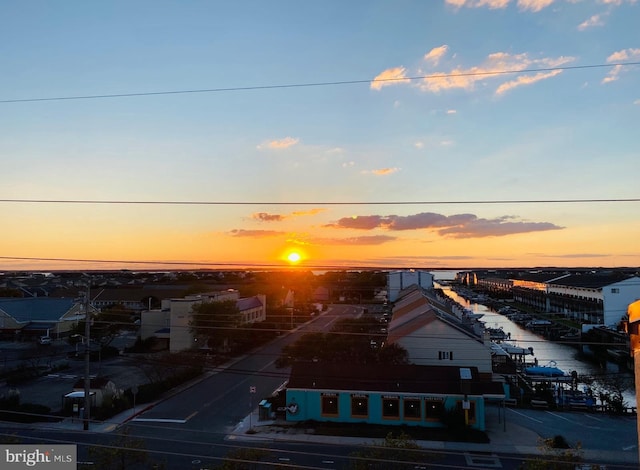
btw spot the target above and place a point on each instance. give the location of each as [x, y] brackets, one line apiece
[566, 357]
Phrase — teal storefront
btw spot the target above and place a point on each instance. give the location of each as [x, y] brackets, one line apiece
[390, 395]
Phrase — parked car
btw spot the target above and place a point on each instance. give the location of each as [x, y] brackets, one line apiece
[45, 340]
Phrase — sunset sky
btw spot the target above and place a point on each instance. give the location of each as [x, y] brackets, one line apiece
[418, 134]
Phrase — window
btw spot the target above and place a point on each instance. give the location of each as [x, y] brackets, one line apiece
[359, 406]
[433, 409]
[329, 404]
[615, 290]
[412, 408]
[442, 355]
[390, 407]
[472, 410]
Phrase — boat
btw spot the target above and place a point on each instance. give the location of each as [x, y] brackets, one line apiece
[548, 370]
[571, 335]
[538, 323]
[497, 334]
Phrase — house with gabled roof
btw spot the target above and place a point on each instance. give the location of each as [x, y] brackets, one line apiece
[32, 317]
[433, 336]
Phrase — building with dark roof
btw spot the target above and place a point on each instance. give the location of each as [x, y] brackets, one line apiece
[32, 317]
[387, 394]
[596, 297]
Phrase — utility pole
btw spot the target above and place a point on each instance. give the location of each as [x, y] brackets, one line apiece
[633, 312]
[87, 358]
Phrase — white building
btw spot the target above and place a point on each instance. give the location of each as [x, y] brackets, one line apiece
[173, 322]
[432, 337]
[400, 280]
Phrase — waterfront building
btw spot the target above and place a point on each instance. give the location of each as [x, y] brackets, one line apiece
[432, 335]
[397, 281]
[588, 297]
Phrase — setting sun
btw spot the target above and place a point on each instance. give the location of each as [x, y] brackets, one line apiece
[294, 257]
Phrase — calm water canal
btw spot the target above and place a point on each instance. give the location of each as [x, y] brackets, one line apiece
[566, 357]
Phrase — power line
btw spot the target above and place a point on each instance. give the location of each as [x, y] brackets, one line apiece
[315, 84]
[318, 203]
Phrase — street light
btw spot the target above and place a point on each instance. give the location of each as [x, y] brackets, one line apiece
[87, 362]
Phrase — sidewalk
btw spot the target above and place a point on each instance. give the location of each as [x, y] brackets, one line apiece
[508, 438]
[505, 438]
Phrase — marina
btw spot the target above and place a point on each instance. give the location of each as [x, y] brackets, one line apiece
[560, 362]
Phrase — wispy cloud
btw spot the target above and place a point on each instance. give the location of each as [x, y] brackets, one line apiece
[493, 4]
[534, 5]
[454, 226]
[279, 144]
[255, 233]
[620, 56]
[382, 171]
[526, 80]
[524, 5]
[268, 217]
[353, 241]
[594, 21]
[497, 67]
[389, 77]
[435, 54]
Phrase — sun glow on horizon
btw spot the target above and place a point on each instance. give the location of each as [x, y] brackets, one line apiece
[294, 257]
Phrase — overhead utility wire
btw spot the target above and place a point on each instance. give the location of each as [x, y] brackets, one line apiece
[317, 203]
[315, 84]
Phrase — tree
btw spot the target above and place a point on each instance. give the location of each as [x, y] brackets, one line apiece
[339, 347]
[610, 389]
[557, 455]
[216, 322]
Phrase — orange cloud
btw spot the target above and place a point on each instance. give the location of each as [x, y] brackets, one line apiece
[255, 233]
[385, 171]
[620, 56]
[526, 80]
[279, 144]
[389, 77]
[492, 4]
[435, 54]
[495, 66]
[534, 5]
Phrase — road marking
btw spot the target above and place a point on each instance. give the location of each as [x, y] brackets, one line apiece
[159, 420]
[562, 417]
[592, 417]
[484, 461]
[525, 416]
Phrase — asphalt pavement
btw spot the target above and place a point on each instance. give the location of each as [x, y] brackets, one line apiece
[511, 436]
